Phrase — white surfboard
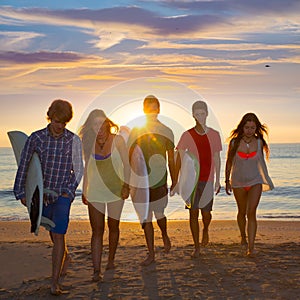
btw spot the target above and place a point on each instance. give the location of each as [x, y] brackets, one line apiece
[188, 178]
[124, 132]
[139, 184]
[33, 185]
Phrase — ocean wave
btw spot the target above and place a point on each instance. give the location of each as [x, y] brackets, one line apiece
[6, 193]
[290, 192]
[291, 156]
[279, 216]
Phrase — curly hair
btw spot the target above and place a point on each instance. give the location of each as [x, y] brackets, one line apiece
[60, 109]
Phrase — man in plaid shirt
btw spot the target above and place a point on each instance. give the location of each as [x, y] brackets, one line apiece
[60, 154]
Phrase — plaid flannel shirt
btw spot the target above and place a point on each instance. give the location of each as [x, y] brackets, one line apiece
[61, 161]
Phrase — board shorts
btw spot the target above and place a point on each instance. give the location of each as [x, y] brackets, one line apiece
[59, 213]
[201, 185]
[158, 202]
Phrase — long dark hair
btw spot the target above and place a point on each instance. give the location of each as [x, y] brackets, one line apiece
[88, 135]
[237, 134]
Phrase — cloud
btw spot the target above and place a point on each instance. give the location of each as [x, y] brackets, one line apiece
[236, 6]
[39, 57]
[131, 16]
[201, 19]
[17, 40]
[207, 35]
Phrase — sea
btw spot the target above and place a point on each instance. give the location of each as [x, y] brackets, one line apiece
[282, 203]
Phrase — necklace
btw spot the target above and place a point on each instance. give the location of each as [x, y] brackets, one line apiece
[248, 142]
[101, 145]
[204, 128]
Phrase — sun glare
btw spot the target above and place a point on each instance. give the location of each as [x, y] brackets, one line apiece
[131, 115]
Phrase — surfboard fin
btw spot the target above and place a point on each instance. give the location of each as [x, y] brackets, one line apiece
[34, 213]
[47, 223]
[34, 210]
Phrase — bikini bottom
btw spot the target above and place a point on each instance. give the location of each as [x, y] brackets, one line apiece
[247, 188]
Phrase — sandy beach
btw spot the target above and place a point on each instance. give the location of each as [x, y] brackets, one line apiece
[222, 271]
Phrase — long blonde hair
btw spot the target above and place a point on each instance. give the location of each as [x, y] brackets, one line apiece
[88, 135]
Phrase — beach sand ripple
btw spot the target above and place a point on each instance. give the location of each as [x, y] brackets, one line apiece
[222, 271]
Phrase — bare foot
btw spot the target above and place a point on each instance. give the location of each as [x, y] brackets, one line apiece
[55, 290]
[110, 265]
[251, 254]
[96, 276]
[244, 243]
[196, 253]
[148, 261]
[167, 243]
[205, 237]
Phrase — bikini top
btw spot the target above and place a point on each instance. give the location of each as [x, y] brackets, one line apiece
[246, 155]
[101, 157]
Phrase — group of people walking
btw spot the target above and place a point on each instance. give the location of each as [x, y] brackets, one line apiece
[103, 157]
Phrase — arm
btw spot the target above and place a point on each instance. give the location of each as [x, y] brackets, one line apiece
[131, 142]
[84, 185]
[172, 169]
[84, 198]
[77, 167]
[217, 162]
[179, 156]
[228, 167]
[122, 148]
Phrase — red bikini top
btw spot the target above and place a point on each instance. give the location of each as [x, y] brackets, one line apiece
[246, 155]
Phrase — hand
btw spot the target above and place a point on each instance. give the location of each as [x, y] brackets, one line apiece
[84, 199]
[23, 201]
[125, 191]
[173, 189]
[217, 188]
[228, 188]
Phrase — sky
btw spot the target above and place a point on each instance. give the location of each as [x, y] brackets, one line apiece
[238, 55]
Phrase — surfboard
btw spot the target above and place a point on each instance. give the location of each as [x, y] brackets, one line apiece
[188, 178]
[124, 132]
[33, 185]
[139, 184]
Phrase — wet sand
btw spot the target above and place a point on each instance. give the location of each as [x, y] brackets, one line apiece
[222, 271]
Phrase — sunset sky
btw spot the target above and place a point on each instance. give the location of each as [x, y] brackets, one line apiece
[238, 55]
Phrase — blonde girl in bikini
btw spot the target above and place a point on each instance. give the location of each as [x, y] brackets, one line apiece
[105, 183]
[246, 174]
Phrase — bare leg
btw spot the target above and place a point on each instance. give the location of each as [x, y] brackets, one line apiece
[114, 233]
[162, 224]
[206, 219]
[241, 199]
[66, 264]
[58, 256]
[66, 261]
[254, 195]
[97, 221]
[149, 235]
[194, 226]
